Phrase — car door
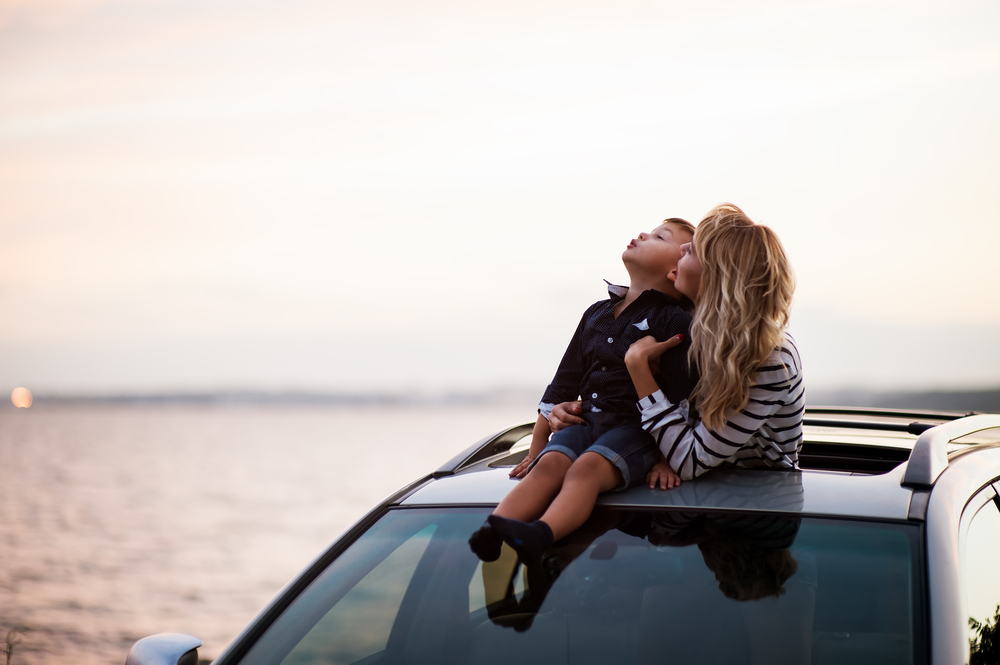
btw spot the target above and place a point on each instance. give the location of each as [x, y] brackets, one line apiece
[980, 554]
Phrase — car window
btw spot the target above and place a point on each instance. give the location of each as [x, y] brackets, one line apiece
[982, 575]
[359, 625]
[628, 587]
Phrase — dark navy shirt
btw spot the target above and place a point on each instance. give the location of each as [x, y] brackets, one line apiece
[593, 367]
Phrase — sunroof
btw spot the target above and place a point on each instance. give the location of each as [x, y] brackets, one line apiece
[844, 457]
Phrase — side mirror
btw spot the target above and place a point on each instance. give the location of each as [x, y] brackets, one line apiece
[164, 649]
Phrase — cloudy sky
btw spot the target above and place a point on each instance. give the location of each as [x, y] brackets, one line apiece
[253, 194]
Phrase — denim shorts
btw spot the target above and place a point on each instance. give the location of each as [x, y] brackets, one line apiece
[617, 438]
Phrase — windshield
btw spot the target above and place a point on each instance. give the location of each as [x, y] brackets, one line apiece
[628, 587]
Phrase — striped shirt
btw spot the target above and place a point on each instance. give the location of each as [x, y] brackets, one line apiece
[767, 432]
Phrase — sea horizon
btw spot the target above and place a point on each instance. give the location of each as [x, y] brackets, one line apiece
[970, 399]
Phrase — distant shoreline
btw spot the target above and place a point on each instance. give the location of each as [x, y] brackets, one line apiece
[944, 400]
[936, 400]
[291, 398]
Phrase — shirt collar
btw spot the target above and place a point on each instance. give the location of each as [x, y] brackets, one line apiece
[618, 293]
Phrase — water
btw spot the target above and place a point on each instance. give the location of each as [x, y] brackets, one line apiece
[117, 522]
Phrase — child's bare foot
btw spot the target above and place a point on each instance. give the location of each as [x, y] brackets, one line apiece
[529, 539]
[485, 543]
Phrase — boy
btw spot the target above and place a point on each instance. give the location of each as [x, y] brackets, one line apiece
[609, 450]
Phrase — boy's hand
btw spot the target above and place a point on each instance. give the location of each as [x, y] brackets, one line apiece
[521, 470]
[565, 415]
[662, 474]
[539, 438]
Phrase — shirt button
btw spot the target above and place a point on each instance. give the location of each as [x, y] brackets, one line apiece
[604, 369]
[610, 340]
[593, 396]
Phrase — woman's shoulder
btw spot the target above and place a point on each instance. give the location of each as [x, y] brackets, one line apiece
[789, 352]
[782, 365]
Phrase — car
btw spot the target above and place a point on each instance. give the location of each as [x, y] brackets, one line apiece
[879, 550]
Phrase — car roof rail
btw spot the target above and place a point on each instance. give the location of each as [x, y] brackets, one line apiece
[888, 413]
[915, 427]
[494, 444]
[930, 453]
[910, 428]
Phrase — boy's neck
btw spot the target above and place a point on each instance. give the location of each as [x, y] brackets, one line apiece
[637, 286]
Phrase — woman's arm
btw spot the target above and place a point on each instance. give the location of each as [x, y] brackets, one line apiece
[690, 449]
[641, 360]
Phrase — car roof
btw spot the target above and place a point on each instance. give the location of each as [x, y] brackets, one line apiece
[758, 490]
[856, 463]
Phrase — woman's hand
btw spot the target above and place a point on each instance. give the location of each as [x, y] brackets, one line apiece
[643, 359]
[662, 474]
[648, 351]
[565, 415]
[521, 470]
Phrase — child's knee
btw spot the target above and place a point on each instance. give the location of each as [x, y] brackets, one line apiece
[553, 462]
[591, 464]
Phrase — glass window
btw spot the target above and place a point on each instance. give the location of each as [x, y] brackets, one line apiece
[982, 575]
[359, 625]
[628, 587]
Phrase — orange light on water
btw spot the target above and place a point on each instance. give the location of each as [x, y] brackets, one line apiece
[21, 397]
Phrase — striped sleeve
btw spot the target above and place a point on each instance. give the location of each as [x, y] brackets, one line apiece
[767, 432]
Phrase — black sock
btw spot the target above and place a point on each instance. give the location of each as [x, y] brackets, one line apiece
[485, 543]
[529, 539]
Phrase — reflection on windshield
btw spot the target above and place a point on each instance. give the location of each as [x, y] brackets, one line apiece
[748, 554]
[628, 587]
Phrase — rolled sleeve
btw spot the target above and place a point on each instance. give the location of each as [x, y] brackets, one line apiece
[653, 405]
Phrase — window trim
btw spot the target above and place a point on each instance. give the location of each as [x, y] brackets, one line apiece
[975, 505]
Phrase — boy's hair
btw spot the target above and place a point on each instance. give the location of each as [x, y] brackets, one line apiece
[683, 223]
[743, 307]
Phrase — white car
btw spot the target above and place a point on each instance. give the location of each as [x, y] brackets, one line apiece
[878, 551]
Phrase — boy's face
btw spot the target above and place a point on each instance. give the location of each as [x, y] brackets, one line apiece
[657, 251]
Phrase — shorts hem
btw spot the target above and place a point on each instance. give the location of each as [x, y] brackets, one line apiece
[615, 459]
[568, 452]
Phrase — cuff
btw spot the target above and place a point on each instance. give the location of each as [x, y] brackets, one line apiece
[652, 406]
[545, 409]
[653, 403]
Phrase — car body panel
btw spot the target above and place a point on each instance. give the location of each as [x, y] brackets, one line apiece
[965, 476]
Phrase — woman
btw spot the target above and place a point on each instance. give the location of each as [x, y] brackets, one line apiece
[750, 397]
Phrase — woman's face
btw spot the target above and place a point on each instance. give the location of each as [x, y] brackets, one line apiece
[688, 279]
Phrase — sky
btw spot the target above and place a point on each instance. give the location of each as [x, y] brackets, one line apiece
[409, 197]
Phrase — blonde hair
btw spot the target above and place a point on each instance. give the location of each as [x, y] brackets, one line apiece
[742, 310]
[746, 572]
